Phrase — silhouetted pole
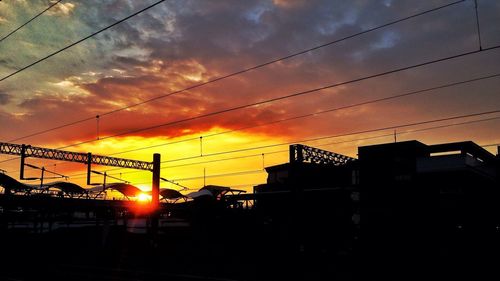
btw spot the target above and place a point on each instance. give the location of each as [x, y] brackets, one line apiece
[89, 167]
[23, 156]
[297, 228]
[155, 192]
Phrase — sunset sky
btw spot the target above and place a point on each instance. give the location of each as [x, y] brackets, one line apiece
[178, 44]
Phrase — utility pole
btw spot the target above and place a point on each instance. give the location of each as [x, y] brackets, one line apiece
[155, 193]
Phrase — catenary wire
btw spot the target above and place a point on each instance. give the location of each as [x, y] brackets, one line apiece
[326, 137]
[327, 144]
[30, 20]
[234, 73]
[310, 90]
[79, 41]
[421, 91]
[302, 93]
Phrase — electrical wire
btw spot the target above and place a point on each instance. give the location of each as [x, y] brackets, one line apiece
[345, 134]
[30, 20]
[79, 41]
[239, 173]
[327, 137]
[334, 109]
[422, 91]
[214, 80]
[302, 93]
[490, 145]
[343, 83]
[386, 135]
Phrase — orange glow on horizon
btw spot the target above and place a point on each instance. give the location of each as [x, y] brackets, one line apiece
[187, 172]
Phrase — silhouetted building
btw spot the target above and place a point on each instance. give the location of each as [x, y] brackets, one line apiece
[418, 200]
[310, 168]
[309, 201]
[411, 199]
[422, 177]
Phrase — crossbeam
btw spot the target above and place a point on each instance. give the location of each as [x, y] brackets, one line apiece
[70, 156]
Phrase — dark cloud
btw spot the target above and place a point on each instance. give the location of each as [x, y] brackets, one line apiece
[4, 98]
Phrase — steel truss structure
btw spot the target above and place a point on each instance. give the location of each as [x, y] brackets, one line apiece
[305, 154]
[25, 151]
[85, 158]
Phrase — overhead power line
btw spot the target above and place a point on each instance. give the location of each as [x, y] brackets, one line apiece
[191, 164]
[308, 92]
[214, 80]
[30, 20]
[261, 170]
[225, 159]
[422, 91]
[416, 92]
[490, 145]
[214, 113]
[314, 114]
[79, 41]
[240, 173]
[391, 134]
[328, 137]
[338, 142]
[346, 134]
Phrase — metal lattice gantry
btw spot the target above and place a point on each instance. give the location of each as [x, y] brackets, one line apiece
[25, 151]
[85, 158]
[305, 154]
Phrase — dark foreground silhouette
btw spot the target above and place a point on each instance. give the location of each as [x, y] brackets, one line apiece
[401, 211]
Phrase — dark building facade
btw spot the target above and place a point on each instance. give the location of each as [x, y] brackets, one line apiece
[311, 200]
[453, 183]
[396, 202]
[436, 203]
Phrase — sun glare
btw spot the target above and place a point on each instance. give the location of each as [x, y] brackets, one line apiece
[143, 197]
